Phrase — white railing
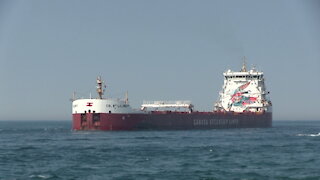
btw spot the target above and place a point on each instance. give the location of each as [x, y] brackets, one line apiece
[166, 104]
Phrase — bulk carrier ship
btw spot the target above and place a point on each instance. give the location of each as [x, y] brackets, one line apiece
[242, 103]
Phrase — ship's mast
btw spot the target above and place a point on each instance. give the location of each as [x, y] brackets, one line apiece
[73, 96]
[100, 87]
[126, 98]
[244, 65]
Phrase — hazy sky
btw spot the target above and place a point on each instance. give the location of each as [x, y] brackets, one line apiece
[157, 50]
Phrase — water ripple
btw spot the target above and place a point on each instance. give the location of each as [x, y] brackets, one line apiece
[50, 150]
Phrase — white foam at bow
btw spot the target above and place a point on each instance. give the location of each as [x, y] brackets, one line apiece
[309, 134]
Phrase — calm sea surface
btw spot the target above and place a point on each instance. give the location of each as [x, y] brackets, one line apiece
[50, 150]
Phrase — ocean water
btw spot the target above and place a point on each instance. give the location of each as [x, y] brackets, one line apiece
[51, 150]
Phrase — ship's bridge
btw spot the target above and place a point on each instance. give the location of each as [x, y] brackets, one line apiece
[252, 74]
[243, 91]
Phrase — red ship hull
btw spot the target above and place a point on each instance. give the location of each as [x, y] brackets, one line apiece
[164, 120]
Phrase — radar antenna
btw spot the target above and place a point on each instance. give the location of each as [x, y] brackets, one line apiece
[254, 68]
[244, 65]
[100, 87]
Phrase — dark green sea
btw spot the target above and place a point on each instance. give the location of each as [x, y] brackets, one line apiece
[51, 150]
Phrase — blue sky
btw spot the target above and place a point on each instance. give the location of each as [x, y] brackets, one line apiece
[157, 50]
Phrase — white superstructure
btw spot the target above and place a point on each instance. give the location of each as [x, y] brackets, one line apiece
[100, 104]
[167, 104]
[243, 91]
